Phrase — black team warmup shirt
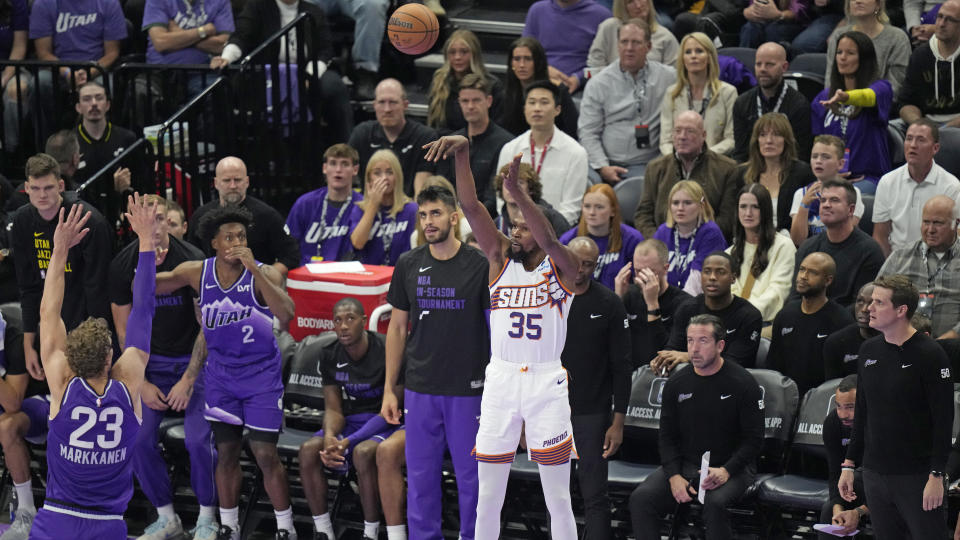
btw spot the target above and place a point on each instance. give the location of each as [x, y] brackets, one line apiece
[904, 412]
[649, 337]
[841, 351]
[361, 381]
[796, 349]
[741, 320]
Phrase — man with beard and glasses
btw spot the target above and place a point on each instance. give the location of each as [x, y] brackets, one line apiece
[441, 288]
[802, 327]
[531, 275]
[842, 348]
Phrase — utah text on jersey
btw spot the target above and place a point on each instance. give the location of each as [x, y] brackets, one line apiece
[549, 291]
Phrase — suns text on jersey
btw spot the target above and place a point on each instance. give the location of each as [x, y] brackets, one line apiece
[528, 296]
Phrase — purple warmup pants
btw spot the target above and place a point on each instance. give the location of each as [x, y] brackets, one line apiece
[434, 423]
[148, 464]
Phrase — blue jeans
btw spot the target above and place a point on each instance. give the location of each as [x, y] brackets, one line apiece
[754, 34]
[814, 38]
[371, 19]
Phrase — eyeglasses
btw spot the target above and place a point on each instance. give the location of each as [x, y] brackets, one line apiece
[947, 18]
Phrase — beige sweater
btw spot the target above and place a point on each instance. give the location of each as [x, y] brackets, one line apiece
[771, 289]
[718, 119]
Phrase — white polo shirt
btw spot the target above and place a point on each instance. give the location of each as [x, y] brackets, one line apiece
[900, 200]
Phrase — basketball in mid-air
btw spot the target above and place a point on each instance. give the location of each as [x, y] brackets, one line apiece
[413, 29]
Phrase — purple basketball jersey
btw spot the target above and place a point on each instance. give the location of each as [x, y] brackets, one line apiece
[238, 330]
[89, 451]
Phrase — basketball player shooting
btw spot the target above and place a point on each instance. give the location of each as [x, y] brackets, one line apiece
[94, 409]
[531, 274]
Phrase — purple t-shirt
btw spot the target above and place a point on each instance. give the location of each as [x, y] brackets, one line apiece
[188, 15]
[78, 27]
[19, 22]
[565, 33]
[609, 264]
[866, 135]
[685, 258]
[387, 231]
[324, 234]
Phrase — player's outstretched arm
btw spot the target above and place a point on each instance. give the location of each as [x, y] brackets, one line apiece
[491, 240]
[131, 365]
[53, 334]
[268, 284]
[186, 274]
[540, 226]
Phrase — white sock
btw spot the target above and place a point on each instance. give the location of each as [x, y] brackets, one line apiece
[167, 512]
[285, 519]
[25, 495]
[323, 524]
[207, 512]
[396, 532]
[371, 528]
[230, 517]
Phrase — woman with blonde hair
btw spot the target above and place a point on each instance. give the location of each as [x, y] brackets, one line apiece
[600, 220]
[690, 235]
[604, 51]
[699, 88]
[383, 222]
[891, 44]
[462, 55]
[773, 163]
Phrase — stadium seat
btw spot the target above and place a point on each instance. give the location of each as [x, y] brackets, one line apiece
[780, 400]
[948, 157]
[808, 84]
[12, 314]
[895, 141]
[762, 351]
[866, 222]
[745, 55]
[815, 63]
[628, 193]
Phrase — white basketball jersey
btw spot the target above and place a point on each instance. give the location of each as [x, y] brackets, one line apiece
[528, 313]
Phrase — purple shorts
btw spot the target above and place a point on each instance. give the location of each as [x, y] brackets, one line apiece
[37, 409]
[353, 423]
[50, 525]
[250, 396]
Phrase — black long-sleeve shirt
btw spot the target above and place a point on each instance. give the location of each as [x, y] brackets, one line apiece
[794, 106]
[796, 349]
[484, 153]
[836, 439]
[649, 337]
[267, 238]
[904, 411]
[597, 352]
[858, 259]
[85, 285]
[722, 413]
[841, 351]
[741, 320]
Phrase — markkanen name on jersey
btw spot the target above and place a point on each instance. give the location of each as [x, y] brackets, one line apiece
[92, 457]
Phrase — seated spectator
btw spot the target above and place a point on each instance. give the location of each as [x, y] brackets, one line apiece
[566, 29]
[824, 16]
[891, 45]
[773, 163]
[692, 160]
[855, 106]
[763, 257]
[650, 300]
[934, 276]
[772, 21]
[176, 219]
[857, 256]
[826, 161]
[600, 221]
[713, 19]
[699, 89]
[561, 163]
[268, 240]
[90, 31]
[463, 56]
[528, 63]
[799, 330]
[353, 369]
[393, 131]
[528, 180]
[771, 95]
[920, 17]
[318, 219]
[381, 224]
[903, 192]
[370, 17]
[690, 235]
[837, 429]
[938, 101]
[260, 19]
[15, 83]
[842, 348]
[178, 35]
[461, 231]
[486, 138]
[65, 149]
[695, 418]
[604, 50]
[742, 320]
[619, 115]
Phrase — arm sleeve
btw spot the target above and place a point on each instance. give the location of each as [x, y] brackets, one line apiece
[590, 124]
[669, 440]
[643, 217]
[862, 97]
[618, 344]
[666, 123]
[751, 429]
[831, 443]
[397, 293]
[881, 201]
[373, 426]
[246, 29]
[725, 100]
[939, 391]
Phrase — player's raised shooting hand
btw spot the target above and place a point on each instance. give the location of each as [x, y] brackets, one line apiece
[70, 229]
[511, 182]
[143, 217]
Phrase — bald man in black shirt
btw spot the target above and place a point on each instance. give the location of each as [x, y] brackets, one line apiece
[842, 348]
[715, 406]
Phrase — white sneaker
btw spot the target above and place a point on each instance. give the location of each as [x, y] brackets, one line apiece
[163, 529]
[20, 527]
[206, 529]
[226, 533]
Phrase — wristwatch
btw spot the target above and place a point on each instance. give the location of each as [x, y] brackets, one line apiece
[654, 312]
[202, 32]
[860, 512]
[936, 474]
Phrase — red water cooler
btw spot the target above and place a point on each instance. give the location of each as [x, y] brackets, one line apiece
[315, 294]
